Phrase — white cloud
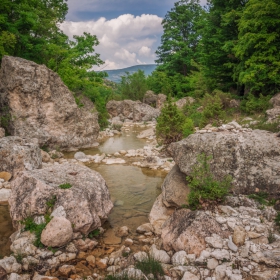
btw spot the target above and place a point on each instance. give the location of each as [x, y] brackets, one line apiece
[124, 41]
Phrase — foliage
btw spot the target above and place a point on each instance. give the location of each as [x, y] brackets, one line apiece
[159, 82]
[263, 125]
[205, 189]
[252, 104]
[51, 202]
[190, 110]
[150, 265]
[133, 86]
[258, 46]
[170, 124]
[94, 233]
[65, 186]
[260, 197]
[188, 127]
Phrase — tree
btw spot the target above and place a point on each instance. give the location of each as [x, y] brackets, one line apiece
[180, 38]
[133, 86]
[179, 44]
[258, 46]
[218, 37]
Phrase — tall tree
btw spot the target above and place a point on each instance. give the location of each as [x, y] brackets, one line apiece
[258, 47]
[180, 38]
[219, 35]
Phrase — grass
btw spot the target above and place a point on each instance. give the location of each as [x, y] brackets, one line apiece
[150, 265]
[262, 198]
[94, 233]
[65, 186]
[51, 202]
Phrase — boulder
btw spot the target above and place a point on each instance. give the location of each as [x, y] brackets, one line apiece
[183, 101]
[150, 98]
[86, 203]
[2, 132]
[187, 231]
[144, 112]
[252, 158]
[124, 108]
[273, 115]
[159, 214]
[161, 98]
[17, 154]
[57, 233]
[43, 107]
[275, 100]
[175, 188]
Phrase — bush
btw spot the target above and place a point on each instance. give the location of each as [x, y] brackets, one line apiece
[188, 127]
[206, 191]
[150, 265]
[170, 124]
[134, 86]
[190, 110]
[252, 104]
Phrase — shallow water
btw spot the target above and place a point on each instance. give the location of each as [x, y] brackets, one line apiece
[125, 141]
[6, 229]
[133, 191]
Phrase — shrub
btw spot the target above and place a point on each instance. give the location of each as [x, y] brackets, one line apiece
[170, 124]
[252, 104]
[190, 110]
[206, 191]
[65, 186]
[188, 127]
[150, 265]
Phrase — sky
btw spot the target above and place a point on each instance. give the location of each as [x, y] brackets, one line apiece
[129, 31]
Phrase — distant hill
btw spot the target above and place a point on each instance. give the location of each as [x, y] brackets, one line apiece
[115, 75]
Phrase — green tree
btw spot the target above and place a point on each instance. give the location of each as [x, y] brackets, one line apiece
[219, 35]
[134, 86]
[258, 46]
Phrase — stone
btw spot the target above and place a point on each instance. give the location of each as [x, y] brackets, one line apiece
[43, 277]
[91, 260]
[275, 100]
[161, 98]
[140, 256]
[110, 238]
[273, 115]
[175, 188]
[253, 235]
[256, 169]
[102, 263]
[183, 101]
[144, 228]
[45, 157]
[179, 258]
[212, 263]
[143, 112]
[187, 231]
[85, 245]
[87, 203]
[150, 98]
[128, 242]
[80, 155]
[57, 233]
[124, 108]
[220, 272]
[159, 255]
[239, 236]
[23, 244]
[215, 241]
[5, 176]
[159, 214]
[2, 132]
[189, 276]
[66, 270]
[10, 265]
[231, 245]
[17, 154]
[43, 107]
[260, 240]
[123, 231]
[268, 274]
[220, 254]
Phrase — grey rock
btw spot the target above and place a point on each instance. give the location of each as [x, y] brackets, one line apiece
[17, 154]
[43, 107]
[255, 169]
[87, 203]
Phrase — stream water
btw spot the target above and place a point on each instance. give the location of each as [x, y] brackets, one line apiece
[133, 190]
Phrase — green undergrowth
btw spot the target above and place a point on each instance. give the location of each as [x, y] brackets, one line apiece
[65, 186]
[206, 191]
[94, 233]
[262, 198]
[150, 266]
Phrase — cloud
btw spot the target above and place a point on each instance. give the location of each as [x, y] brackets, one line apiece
[124, 41]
